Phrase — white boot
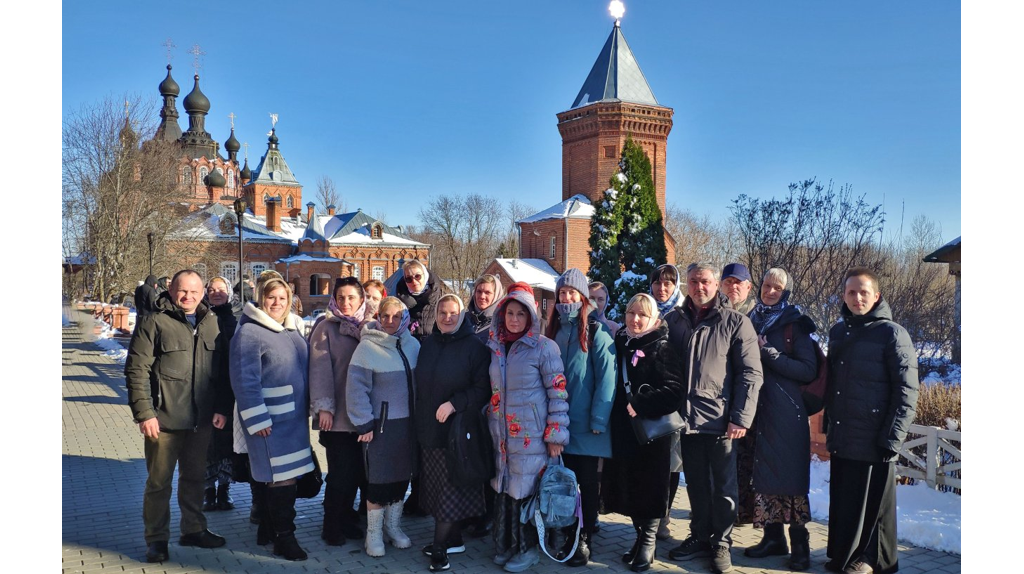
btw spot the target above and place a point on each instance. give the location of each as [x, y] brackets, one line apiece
[375, 532]
[393, 525]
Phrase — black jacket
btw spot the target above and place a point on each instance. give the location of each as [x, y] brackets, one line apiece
[872, 395]
[173, 371]
[422, 307]
[782, 448]
[452, 367]
[722, 373]
[145, 298]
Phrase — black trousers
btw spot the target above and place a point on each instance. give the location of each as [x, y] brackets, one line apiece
[709, 463]
[862, 514]
[345, 474]
[585, 468]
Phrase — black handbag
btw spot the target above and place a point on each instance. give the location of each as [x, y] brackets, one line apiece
[649, 430]
[308, 485]
[470, 454]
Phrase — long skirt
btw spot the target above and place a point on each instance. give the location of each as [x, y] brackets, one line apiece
[443, 500]
[745, 506]
[781, 509]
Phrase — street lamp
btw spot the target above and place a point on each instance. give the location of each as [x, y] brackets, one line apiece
[240, 206]
[149, 237]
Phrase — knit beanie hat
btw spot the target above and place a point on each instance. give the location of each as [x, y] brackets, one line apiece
[574, 278]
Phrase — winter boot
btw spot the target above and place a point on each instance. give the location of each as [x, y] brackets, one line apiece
[772, 544]
[265, 531]
[663, 532]
[375, 532]
[211, 500]
[330, 531]
[799, 538]
[631, 553]
[393, 526]
[582, 555]
[224, 501]
[647, 531]
[281, 511]
[254, 511]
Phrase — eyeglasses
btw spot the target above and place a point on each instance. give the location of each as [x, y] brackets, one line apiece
[411, 278]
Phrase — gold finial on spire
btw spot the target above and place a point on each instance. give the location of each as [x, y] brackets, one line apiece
[196, 55]
[169, 44]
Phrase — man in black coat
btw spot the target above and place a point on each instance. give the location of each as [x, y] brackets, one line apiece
[869, 406]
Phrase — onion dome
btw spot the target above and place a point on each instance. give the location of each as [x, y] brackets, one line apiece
[215, 179]
[232, 144]
[196, 101]
[169, 87]
[273, 137]
[246, 172]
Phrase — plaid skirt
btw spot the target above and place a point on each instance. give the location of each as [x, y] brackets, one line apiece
[445, 502]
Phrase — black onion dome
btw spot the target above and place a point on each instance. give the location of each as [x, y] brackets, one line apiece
[215, 179]
[196, 101]
[232, 144]
[169, 87]
[246, 172]
[273, 136]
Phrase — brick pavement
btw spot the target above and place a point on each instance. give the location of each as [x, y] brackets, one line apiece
[104, 473]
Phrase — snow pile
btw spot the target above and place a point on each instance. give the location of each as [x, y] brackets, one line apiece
[105, 340]
[926, 518]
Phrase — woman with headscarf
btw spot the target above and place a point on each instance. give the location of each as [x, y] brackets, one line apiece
[375, 292]
[782, 449]
[420, 291]
[451, 377]
[669, 296]
[219, 456]
[528, 418]
[331, 345]
[588, 356]
[487, 291]
[380, 395]
[636, 478]
[601, 297]
[268, 369]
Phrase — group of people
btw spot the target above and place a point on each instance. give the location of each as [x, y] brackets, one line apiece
[384, 378]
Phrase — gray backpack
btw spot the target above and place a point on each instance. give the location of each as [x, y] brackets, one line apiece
[556, 504]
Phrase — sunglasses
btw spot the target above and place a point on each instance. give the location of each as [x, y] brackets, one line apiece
[411, 278]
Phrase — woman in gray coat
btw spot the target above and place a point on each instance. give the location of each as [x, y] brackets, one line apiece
[782, 446]
[379, 396]
[528, 418]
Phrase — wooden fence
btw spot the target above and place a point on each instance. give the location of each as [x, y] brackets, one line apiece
[931, 454]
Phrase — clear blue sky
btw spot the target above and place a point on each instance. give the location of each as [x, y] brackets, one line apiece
[399, 101]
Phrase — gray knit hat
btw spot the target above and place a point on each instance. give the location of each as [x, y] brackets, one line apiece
[576, 279]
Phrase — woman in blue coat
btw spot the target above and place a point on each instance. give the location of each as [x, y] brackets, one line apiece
[268, 362]
[588, 358]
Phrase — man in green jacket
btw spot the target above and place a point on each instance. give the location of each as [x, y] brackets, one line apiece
[176, 361]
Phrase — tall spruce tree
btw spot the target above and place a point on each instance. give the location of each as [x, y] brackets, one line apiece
[627, 238]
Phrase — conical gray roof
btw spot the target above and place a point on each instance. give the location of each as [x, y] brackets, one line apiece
[615, 76]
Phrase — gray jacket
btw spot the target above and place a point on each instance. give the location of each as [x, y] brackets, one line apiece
[722, 367]
[331, 345]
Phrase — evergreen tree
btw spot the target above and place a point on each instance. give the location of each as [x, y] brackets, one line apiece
[627, 238]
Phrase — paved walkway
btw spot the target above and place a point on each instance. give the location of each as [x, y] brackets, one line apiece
[104, 473]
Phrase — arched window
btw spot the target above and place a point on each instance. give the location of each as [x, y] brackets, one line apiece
[231, 178]
[203, 172]
[229, 270]
[201, 270]
[266, 198]
[257, 268]
[356, 270]
[186, 175]
[376, 231]
[377, 273]
[291, 202]
[552, 255]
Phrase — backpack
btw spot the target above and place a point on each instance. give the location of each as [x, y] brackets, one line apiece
[813, 393]
[556, 504]
[470, 454]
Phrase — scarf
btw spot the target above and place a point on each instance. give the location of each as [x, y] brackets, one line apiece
[671, 303]
[507, 337]
[356, 319]
[630, 334]
[426, 285]
[481, 318]
[569, 309]
[462, 314]
[764, 316]
[403, 325]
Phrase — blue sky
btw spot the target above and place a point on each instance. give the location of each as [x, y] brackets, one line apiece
[402, 101]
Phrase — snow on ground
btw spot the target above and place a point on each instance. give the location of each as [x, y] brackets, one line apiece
[105, 341]
[924, 517]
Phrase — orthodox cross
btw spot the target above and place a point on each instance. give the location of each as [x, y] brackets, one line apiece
[232, 116]
[169, 44]
[273, 120]
[246, 146]
[196, 54]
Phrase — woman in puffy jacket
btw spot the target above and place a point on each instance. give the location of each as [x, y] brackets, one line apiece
[588, 357]
[331, 345]
[636, 478]
[783, 444]
[528, 419]
[379, 397]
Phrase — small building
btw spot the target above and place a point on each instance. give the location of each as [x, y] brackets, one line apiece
[950, 255]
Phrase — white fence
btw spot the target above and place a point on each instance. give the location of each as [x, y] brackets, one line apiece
[939, 466]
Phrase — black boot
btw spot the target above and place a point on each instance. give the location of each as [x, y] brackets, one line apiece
[582, 555]
[265, 531]
[631, 553]
[800, 559]
[772, 544]
[211, 500]
[647, 531]
[254, 510]
[224, 501]
[281, 507]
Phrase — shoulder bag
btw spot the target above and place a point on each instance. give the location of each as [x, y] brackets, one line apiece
[649, 430]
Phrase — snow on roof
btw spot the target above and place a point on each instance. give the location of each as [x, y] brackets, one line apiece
[533, 272]
[576, 207]
[308, 257]
[362, 235]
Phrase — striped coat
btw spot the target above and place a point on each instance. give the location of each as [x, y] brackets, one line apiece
[268, 375]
